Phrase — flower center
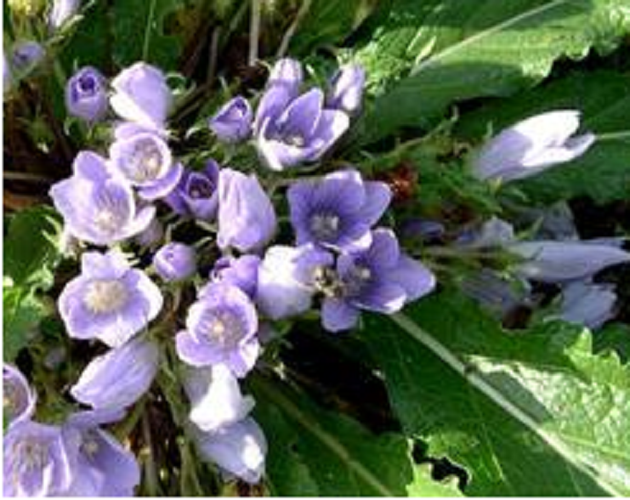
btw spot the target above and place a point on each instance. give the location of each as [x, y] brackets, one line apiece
[200, 188]
[89, 445]
[325, 227]
[296, 140]
[105, 296]
[32, 455]
[356, 280]
[107, 221]
[146, 161]
[326, 281]
[87, 84]
[223, 329]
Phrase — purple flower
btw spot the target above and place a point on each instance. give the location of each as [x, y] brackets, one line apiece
[86, 95]
[62, 11]
[19, 398]
[246, 217]
[216, 398]
[561, 261]
[142, 96]
[233, 122]
[118, 378]
[346, 89]
[337, 211]
[109, 300]
[287, 279]
[145, 161]
[36, 462]
[292, 128]
[241, 272]
[239, 449]
[27, 55]
[531, 146]
[378, 279]
[97, 207]
[101, 466]
[175, 262]
[220, 329]
[196, 193]
[588, 304]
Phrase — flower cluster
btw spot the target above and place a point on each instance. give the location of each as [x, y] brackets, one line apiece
[132, 195]
[77, 458]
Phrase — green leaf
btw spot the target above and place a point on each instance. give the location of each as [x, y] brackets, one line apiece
[328, 22]
[22, 312]
[534, 414]
[30, 247]
[451, 50]
[603, 173]
[314, 452]
[139, 33]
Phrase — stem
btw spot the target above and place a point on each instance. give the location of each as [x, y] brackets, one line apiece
[477, 381]
[151, 476]
[254, 33]
[147, 31]
[614, 136]
[288, 35]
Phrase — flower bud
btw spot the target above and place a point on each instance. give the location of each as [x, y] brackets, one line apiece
[175, 262]
[86, 95]
[26, 55]
[62, 11]
[233, 122]
[142, 96]
[560, 261]
[246, 216]
[346, 89]
[531, 146]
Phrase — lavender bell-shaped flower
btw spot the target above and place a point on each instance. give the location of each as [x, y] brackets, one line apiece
[531, 146]
[239, 450]
[97, 207]
[196, 193]
[36, 461]
[588, 304]
[346, 89]
[380, 279]
[61, 12]
[142, 96]
[216, 398]
[118, 378]
[18, 397]
[241, 272]
[338, 210]
[86, 95]
[102, 467]
[233, 122]
[109, 300]
[287, 279]
[561, 261]
[145, 161]
[26, 55]
[292, 128]
[246, 217]
[175, 262]
[221, 328]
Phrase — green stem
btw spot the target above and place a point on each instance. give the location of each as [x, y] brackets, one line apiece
[151, 477]
[614, 136]
[147, 31]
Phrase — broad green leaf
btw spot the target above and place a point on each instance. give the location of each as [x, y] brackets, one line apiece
[22, 312]
[138, 33]
[314, 452]
[603, 97]
[90, 43]
[614, 337]
[445, 51]
[533, 414]
[327, 22]
[30, 247]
